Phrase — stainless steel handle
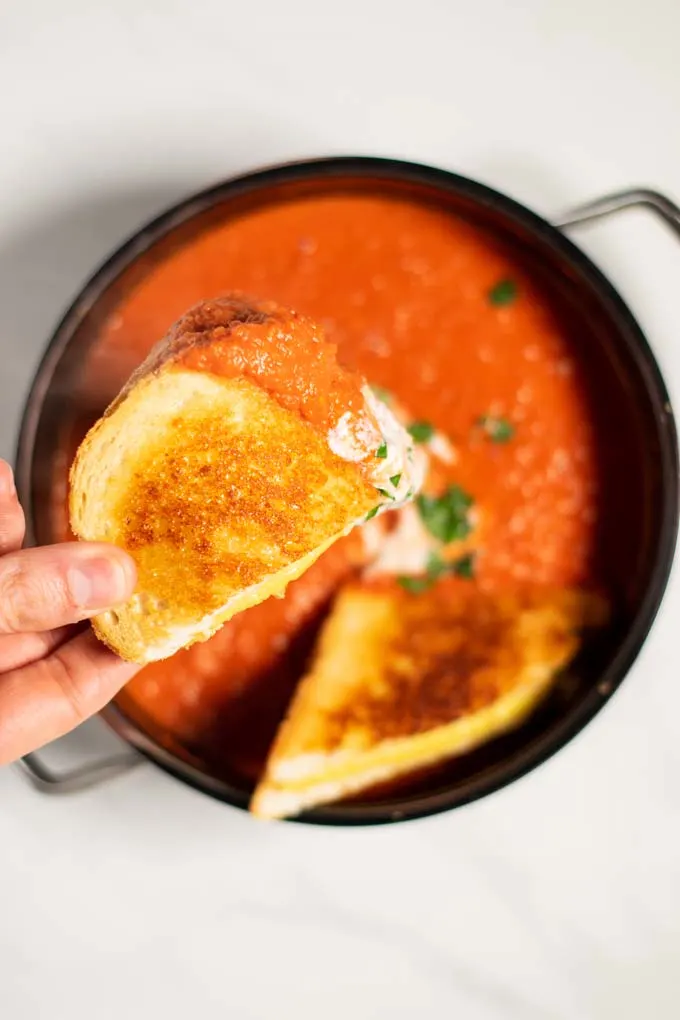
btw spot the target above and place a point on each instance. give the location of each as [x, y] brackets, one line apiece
[46, 780]
[633, 198]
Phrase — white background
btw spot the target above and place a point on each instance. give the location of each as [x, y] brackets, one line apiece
[557, 898]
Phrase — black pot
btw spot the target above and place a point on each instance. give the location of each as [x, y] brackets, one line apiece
[626, 383]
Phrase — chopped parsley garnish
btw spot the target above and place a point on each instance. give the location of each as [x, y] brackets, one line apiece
[464, 567]
[381, 452]
[437, 567]
[446, 516]
[382, 394]
[371, 513]
[414, 585]
[499, 430]
[503, 293]
[395, 479]
[421, 431]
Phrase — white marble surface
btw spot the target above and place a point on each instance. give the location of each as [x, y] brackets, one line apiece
[557, 898]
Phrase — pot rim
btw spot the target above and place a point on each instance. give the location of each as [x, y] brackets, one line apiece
[542, 747]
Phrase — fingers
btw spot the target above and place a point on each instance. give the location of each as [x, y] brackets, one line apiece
[53, 586]
[47, 699]
[49, 680]
[18, 650]
[11, 515]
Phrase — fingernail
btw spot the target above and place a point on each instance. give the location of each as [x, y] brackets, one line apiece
[98, 583]
[7, 487]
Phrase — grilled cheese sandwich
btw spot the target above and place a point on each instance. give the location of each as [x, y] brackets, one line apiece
[233, 458]
[400, 682]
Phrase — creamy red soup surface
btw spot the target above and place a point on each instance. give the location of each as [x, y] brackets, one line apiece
[438, 314]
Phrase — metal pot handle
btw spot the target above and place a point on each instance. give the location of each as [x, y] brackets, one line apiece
[632, 198]
[45, 780]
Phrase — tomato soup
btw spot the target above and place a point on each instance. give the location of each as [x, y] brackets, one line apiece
[468, 339]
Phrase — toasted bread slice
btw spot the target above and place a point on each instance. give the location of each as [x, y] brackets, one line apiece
[401, 682]
[236, 454]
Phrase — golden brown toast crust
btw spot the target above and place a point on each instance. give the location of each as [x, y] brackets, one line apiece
[444, 658]
[239, 502]
[399, 682]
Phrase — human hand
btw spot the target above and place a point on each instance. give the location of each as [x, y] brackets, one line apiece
[53, 675]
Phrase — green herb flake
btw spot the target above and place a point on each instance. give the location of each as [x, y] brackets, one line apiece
[371, 513]
[446, 516]
[421, 431]
[499, 430]
[464, 567]
[414, 585]
[437, 567]
[395, 479]
[381, 452]
[503, 293]
[382, 394]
